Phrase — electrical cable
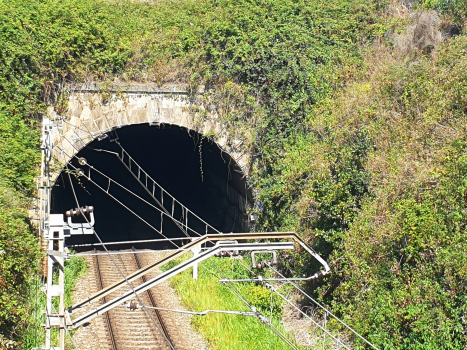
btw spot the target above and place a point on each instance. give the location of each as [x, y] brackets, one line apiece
[262, 280]
[202, 313]
[154, 182]
[262, 318]
[121, 158]
[140, 198]
[126, 207]
[329, 312]
[114, 198]
[118, 269]
[133, 242]
[304, 314]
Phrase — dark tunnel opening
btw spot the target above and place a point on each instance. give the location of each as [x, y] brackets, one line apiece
[205, 179]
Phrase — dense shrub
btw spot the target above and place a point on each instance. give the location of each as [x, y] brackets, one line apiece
[18, 255]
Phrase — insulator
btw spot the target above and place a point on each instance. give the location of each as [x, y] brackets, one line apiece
[79, 172]
[133, 305]
[88, 209]
[82, 161]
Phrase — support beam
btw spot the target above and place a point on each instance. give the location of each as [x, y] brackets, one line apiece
[198, 242]
[174, 271]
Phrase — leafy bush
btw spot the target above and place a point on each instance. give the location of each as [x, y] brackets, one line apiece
[457, 9]
[398, 271]
[18, 256]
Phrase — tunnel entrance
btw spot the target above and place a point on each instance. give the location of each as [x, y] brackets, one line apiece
[191, 168]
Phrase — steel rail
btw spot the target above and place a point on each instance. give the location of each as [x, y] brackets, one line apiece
[154, 304]
[202, 240]
[107, 316]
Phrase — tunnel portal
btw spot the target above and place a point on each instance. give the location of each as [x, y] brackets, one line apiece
[191, 168]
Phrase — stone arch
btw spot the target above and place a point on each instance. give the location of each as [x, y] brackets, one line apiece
[93, 114]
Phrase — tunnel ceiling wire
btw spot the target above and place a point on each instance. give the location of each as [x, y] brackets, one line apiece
[165, 211]
[92, 136]
[131, 211]
[139, 197]
[159, 186]
[125, 206]
[113, 197]
[116, 266]
[137, 178]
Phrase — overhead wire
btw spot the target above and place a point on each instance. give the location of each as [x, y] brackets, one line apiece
[133, 242]
[273, 290]
[262, 280]
[140, 198]
[155, 183]
[116, 265]
[122, 204]
[178, 223]
[269, 324]
[163, 211]
[304, 314]
[127, 208]
[327, 310]
[290, 280]
[262, 318]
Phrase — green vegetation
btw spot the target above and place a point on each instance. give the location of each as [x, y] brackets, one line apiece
[18, 253]
[224, 331]
[357, 145]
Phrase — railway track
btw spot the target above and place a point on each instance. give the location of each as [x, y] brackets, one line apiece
[130, 329]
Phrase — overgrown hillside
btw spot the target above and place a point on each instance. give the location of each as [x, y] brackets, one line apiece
[355, 110]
